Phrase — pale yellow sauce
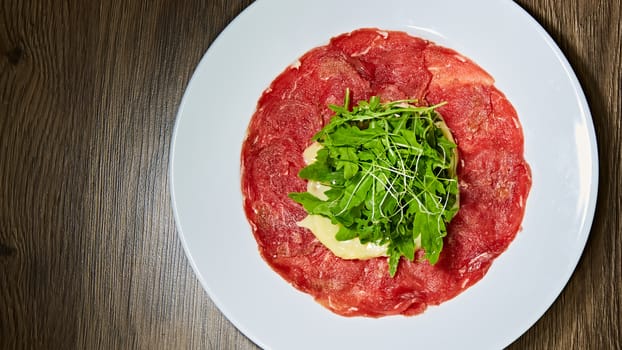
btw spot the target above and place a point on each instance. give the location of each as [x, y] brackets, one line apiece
[324, 230]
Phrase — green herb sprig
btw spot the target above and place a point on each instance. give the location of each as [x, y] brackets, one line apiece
[391, 169]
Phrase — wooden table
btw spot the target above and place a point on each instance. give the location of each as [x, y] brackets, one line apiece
[89, 253]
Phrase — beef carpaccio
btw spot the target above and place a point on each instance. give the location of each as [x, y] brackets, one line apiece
[494, 178]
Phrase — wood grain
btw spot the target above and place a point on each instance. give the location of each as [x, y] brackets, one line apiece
[89, 254]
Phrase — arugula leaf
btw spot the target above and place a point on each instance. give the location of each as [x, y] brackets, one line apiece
[391, 169]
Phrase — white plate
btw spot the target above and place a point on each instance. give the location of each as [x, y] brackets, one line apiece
[522, 283]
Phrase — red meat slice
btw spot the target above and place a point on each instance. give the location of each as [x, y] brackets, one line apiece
[479, 116]
[320, 78]
[450, 68]
[394, 62]
[269, 173]
[297, 119]
[494, 177]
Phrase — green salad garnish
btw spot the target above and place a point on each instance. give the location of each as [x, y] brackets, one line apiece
[391, 169]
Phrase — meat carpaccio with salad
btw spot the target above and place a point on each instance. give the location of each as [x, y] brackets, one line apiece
[382, 173]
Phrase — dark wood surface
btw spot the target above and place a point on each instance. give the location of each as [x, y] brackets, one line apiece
[89, 254]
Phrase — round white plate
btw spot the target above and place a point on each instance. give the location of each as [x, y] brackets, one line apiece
[560, 147]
